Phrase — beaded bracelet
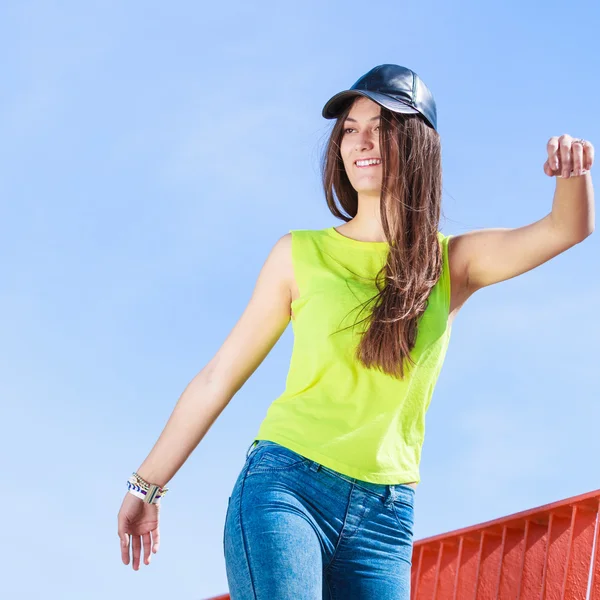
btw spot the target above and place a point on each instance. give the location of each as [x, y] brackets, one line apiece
[142, 494]
[147, 492]
[151, 496]
[145, 485]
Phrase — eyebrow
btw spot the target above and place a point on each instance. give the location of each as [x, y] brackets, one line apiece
[355, 121]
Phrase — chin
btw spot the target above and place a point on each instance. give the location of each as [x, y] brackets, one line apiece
[368, 190]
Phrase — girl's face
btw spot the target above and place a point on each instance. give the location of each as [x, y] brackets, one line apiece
[360, 141]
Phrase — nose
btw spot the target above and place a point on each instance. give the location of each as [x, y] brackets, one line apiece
[364, 140]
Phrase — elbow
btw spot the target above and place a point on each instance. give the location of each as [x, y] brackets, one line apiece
[587, 234]
[582, 233]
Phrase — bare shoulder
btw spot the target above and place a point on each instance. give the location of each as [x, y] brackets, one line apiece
[279, 267]
[284, 245]
[283, 253]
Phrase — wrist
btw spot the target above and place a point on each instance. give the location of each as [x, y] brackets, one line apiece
[148, 492]
[573, 175]
[151, 475]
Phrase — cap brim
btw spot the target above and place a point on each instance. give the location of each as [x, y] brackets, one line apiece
[336, 104]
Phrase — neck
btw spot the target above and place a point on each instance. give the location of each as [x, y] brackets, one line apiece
[366, 225]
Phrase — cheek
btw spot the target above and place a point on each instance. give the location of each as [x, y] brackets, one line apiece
[344, 149]
[345, 153]
[346, 164]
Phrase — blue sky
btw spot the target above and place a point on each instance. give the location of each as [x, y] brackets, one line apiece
[152, 154]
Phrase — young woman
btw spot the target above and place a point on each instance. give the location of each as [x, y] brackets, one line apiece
[323, 506]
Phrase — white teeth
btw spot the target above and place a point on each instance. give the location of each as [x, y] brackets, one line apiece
[364, 163]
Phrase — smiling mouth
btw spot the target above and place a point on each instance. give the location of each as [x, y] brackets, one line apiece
[369, 164]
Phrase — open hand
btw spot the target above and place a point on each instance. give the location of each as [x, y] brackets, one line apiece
[568, 157]
[138, 521]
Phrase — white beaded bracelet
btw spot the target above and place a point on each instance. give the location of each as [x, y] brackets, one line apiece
[148, 492]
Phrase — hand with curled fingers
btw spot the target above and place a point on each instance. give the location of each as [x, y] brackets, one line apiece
[137, 523]
[568, 157]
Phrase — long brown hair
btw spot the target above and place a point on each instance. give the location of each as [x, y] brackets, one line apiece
[410, 207]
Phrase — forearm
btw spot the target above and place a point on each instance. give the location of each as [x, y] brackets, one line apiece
[196, 410]
[573, 207]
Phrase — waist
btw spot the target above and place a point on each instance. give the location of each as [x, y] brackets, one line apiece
[350, 457]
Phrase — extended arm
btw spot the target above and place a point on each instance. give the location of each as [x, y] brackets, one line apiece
[488, 256]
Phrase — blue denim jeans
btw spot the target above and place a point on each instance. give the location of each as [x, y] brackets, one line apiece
[296, 530]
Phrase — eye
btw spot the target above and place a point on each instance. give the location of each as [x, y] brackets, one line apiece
[351, 129]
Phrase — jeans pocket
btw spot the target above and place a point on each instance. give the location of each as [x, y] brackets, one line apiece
[274, 457]
[404, 514]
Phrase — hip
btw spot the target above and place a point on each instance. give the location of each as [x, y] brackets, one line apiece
[274, 475]
[292, 520]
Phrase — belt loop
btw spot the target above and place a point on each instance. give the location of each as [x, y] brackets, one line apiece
[252, 446]
[391, 495]
[314, 466]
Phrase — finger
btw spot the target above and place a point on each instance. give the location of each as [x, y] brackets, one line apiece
[548, 170]
[588, 152]
[552, 148]
[577, 157]
[155, 540]
[147, 547]
[137, 550]
[565, 155]
[124, 548]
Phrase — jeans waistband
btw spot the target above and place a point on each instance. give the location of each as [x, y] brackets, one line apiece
[382, 489]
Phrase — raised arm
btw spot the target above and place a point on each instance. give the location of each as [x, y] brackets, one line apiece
[488, 256]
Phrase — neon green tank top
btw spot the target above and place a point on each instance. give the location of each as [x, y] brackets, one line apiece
[357, 421]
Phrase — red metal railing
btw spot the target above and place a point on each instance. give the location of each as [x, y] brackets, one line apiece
[543, 554]
[546, 553]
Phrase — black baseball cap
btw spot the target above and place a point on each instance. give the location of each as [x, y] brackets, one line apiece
[394, 87]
